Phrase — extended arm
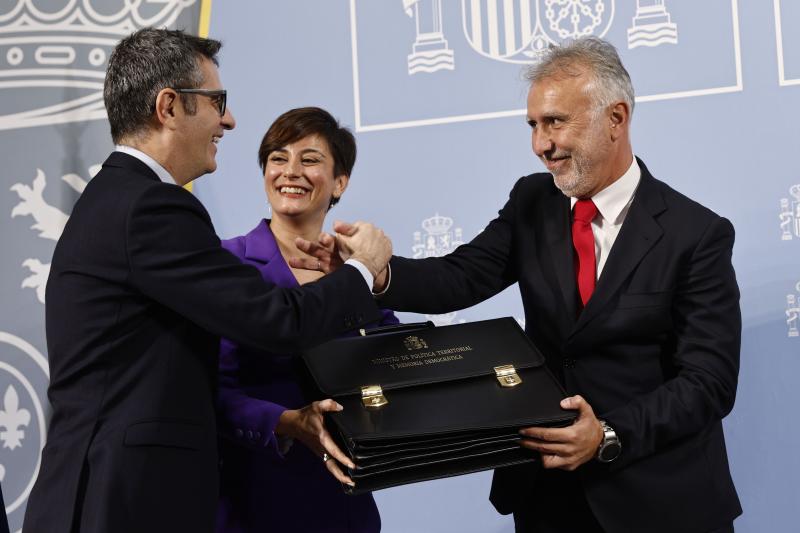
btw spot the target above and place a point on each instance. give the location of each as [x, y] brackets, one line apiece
[175, 259]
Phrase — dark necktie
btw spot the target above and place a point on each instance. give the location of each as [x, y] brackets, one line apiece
[583, 241]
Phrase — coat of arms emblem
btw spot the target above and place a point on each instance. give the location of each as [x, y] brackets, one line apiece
[414, 343]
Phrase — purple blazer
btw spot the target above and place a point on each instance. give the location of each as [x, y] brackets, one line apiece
[263, 487]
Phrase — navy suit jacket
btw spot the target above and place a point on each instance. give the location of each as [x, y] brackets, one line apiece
[655, 351]
[139, 293]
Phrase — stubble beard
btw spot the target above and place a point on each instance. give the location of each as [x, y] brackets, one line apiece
[576, 182]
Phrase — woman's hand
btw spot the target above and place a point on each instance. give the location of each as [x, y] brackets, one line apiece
[307, 425]
[325, 255]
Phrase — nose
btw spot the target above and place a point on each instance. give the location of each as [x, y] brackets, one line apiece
[292, 167]
[228, 122]
[541, 141]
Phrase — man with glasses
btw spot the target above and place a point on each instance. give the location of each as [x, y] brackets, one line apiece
[139, 293]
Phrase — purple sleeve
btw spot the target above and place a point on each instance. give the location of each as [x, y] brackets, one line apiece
[388, 318]
[245, 420]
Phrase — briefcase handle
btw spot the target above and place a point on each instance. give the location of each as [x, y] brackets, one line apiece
[397, 328]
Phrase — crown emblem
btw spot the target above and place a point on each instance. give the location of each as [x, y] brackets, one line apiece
[437, 224]
[62, 55]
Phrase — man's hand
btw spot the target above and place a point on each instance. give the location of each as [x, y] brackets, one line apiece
[360, 241]
[308, 426]
[365, 243]
[570, 447]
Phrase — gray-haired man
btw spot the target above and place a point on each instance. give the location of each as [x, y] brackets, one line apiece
[630, 294]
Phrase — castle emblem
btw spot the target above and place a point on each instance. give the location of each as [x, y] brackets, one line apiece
[53, 63]
[414, 343]
[793, 312]
[790, 214]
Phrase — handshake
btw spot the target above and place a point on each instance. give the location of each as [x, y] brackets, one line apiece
[360, 241]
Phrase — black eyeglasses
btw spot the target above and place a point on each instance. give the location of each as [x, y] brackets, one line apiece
[218, 96]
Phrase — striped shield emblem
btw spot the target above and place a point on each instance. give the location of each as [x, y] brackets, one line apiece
[513, 30]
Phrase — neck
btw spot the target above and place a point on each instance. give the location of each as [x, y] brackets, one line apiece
[620, 165]
[160, 150]
[287, 229]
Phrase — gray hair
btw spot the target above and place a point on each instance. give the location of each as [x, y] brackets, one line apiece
[611, 81]
[143, 64]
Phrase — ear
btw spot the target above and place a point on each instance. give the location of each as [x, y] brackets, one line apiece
[618, 119]
[167, 103]
[340, 185]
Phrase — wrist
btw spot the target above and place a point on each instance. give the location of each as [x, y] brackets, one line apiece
[367, 263]
[380, 285]
[610, 444]
[287, 423]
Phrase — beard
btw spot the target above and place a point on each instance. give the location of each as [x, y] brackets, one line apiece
[574, 181]
[578, 180]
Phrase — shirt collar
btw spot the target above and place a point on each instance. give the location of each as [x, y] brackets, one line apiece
[612, 200]
[154, 165]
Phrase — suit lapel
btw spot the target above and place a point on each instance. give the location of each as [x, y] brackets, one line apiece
[262, 249]
[639, 233]
[559, 247]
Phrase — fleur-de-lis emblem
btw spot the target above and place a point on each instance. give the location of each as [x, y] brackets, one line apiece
[12, 419]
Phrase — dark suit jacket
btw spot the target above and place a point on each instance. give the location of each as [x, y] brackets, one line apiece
[655, 352]
[139, 293]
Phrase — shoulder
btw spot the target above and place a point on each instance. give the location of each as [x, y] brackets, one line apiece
[683, 215]
[526, 188]
[255, 237]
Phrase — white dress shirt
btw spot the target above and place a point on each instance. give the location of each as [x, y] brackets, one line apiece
[613, 204]
[154, 165]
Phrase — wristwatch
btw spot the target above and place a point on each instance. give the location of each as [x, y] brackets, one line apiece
[611, 446]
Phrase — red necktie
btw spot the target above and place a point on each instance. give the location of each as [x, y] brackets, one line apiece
[583, 241]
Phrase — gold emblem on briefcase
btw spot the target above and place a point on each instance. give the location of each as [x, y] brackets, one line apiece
[414, 343]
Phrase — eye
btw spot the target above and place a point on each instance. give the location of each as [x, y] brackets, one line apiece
[310, 160]
[532, 124]
[276, 158]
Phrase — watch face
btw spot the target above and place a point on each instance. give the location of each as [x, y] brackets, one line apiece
[610, 451]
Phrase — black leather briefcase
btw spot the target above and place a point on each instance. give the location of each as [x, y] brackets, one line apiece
[433, 402]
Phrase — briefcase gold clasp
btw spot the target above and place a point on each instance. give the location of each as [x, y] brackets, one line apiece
[507, 376]
[372, 396]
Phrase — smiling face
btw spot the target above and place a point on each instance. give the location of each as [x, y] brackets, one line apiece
[300, 182]
[572, 137]
[200, 133]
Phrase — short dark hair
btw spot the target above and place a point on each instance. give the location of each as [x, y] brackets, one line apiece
[143, 64]
[299, 123]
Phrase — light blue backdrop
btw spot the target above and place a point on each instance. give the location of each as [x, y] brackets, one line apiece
[717, 120]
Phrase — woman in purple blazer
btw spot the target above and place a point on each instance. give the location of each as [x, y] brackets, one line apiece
[273, 475]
